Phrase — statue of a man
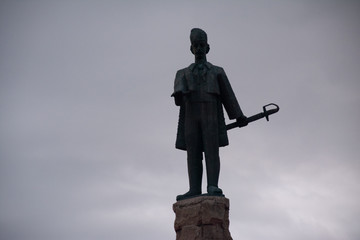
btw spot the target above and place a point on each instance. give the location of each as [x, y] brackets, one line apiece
[201, 90]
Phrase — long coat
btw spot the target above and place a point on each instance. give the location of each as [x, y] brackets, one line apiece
[218, 84]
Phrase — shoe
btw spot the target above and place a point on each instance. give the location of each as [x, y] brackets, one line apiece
[187, 195]
[214, 191]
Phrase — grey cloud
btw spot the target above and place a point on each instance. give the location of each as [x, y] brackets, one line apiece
[87, 125]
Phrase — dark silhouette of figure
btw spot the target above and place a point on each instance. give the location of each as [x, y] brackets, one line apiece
[201, 90]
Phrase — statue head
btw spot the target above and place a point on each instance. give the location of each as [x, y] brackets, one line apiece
[199, 45]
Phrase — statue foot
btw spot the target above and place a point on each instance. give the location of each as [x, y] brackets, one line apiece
[214, 191]
[187, 195]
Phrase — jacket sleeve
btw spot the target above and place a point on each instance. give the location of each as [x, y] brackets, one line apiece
[179, 87]
[228, 97]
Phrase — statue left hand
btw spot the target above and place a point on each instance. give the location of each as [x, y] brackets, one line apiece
[242, 121]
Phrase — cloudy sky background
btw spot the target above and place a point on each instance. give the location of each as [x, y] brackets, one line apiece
[87, 125]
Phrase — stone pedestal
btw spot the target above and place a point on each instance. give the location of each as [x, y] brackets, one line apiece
[202, 218]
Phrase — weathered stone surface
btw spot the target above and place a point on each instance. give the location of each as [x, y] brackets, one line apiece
[190, 232]
[203, 217]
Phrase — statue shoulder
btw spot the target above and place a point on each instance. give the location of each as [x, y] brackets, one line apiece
[186, 68]
[180, 73]
[215, 68]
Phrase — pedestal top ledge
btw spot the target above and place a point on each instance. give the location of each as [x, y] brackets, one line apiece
[200, 199]
[202, 210]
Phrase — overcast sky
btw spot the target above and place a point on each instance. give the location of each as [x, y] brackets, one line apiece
[87, 124]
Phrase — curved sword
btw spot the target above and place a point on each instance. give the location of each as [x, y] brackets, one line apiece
[266, 113]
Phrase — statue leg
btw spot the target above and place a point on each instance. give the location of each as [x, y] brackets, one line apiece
[193, 138]
[211, 147]
[195, 171]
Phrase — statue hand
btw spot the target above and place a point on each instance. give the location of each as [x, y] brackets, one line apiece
[242, 121]
[178, 99]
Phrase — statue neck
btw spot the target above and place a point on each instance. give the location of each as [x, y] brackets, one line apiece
[200, 60]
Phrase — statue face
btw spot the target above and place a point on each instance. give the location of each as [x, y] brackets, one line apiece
[199, 47]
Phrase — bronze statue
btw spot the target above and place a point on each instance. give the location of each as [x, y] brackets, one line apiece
[201, 90]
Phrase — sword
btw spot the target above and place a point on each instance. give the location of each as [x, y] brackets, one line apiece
[266, 113]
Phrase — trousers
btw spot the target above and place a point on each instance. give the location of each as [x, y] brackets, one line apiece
[201, 136]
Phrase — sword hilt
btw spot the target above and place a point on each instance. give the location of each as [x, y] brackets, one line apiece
[271, 111]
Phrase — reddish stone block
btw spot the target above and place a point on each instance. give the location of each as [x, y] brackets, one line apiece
[202, 218]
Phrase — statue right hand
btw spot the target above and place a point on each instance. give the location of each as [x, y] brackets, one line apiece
[242, 121]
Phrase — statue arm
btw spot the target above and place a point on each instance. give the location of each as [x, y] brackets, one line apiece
[179, 87]
[228, 97]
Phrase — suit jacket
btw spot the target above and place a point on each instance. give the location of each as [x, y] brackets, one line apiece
[218, 84]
